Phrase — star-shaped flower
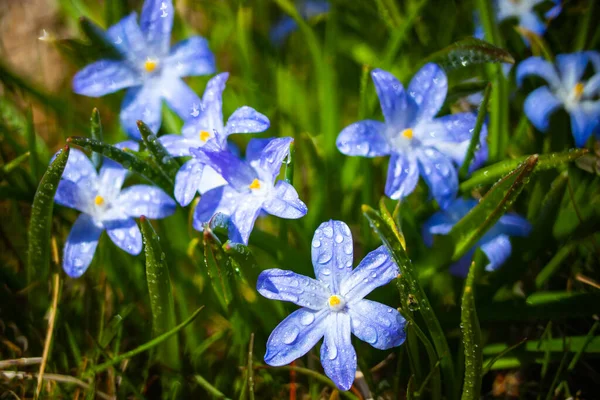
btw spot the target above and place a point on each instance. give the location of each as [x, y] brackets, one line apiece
[333, 305]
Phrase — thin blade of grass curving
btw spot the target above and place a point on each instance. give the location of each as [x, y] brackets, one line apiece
[492, 361]
[468, 52]
[38, 254]
[159, 154]
[161, 297]
[214, 260]
[464, 169]
[96, 134]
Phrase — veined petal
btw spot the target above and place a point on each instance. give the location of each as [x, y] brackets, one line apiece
[363, 138]
[539, 105]
[126, 234]
[80, 246]
[539, 67]
[428, 88]
[376, 269]
[128, 38]
[246, 120]
[142, 103]
[219, 200]
[571, 68]
[111, 178]
[236, 172]
[497, 251]
[584, 120]
[377, 324]
[513, 225]
[284, 202]
[295, 336]
[332, 252]
[209, 117]
[242, 220]
[179, 97]
[398, 108]
[156, 23]
[440, 175]
[187, 181]
[74, 195]
[269, 160]
[532, 22]
[146, 200]
[337, 353]
[79, 167]
[178, 145]
[191, 57]
[402, 176]
[277, 284]
[104, 77]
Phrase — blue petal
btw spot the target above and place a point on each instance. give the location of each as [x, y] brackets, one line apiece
[146, 200]
[246, 120]
[75, 195]
[210, 180]
[128, 38]
[584, 120]
[104, 77]
[539, 105]
[554, 11]
[277, 284]
[237, 173]
[128, 145]
[309, 9]
[125, 234]
[187, 181]
[592, 87]
[497, 251]
[428, 88]
[364, 138]
[398, 108]
[284, 202]
[79, 167]
[142, 103]
[440, 175]
[402, 176]
[179, 97]
[112, 175]
[439, 223]
[461, 267]
[295, 336]
[594, 57]
[459, 128]
[377, 324]
[178, 145]
[337, 354]
[268, 163]
[571, 68]
[513, 225]
[156, 23]
[282, 29]
[219, 200]
[539, 67]
[210, 115]
[375, 270]
[80, 246]
[532, 22]
[332, 251]
[242, 220]
[190, 57]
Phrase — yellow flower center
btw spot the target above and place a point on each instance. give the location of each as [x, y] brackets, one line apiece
[150, 65]
[407, 133]
[578, 90]
[336, 303]
[255, 184]
[99, 200]
[204, 136]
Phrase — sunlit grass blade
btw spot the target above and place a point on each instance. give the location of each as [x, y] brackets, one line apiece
[464, 169]
[495, 203]
[146, 346]
[213, 391]
[96, 134]
[161, 156]
[487, 175]
[99, 39]
[126, 159]
[161, 297]
[38, 254]
[538, 46]
[468, 52]
[416, 294]
[11, 165]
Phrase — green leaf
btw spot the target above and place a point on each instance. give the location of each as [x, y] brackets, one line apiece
[468, 52]
[99, 39]
[490, 363]
[577, 343]
[38, 254]
[96, 134]
[495, 203]
[471, 334]
[9, 166]
[554, 264]
[416, 298]
[126, 159]
[464, 169]
[161, 298]
[215, 260]
[485, 176]
[289, 166]
[161, 156]
[464, 89]
[34, 162]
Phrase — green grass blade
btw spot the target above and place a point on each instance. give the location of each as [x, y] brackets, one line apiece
[213, 391]
[492, 361]
[289, 165]
[588, 339]
[96, 134]
[99, 39]
[464, 169]
[34, 162]
[214, 260]
[554, 264]
[161, 156]
[468, 52]
[146, 346]
[161, 298]
[38, 254]
[11, 165]
[416, 293]
[126, 159]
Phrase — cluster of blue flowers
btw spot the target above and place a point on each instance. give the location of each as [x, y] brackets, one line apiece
[419, 142]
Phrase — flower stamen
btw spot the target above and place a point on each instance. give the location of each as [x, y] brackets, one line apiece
[336, 303]
[255, 184]
[578, 90]
[407, 133]
[99, 200]
[204, 136]
[150, 65]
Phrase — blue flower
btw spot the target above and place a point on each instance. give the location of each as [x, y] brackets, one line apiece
[285, 26]
[333, 305]
[207, 123]
[525, 13]
[567, 89]
[418, 143]
[250, 188]
[495, 243]
[150, 69]
[104, 206]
